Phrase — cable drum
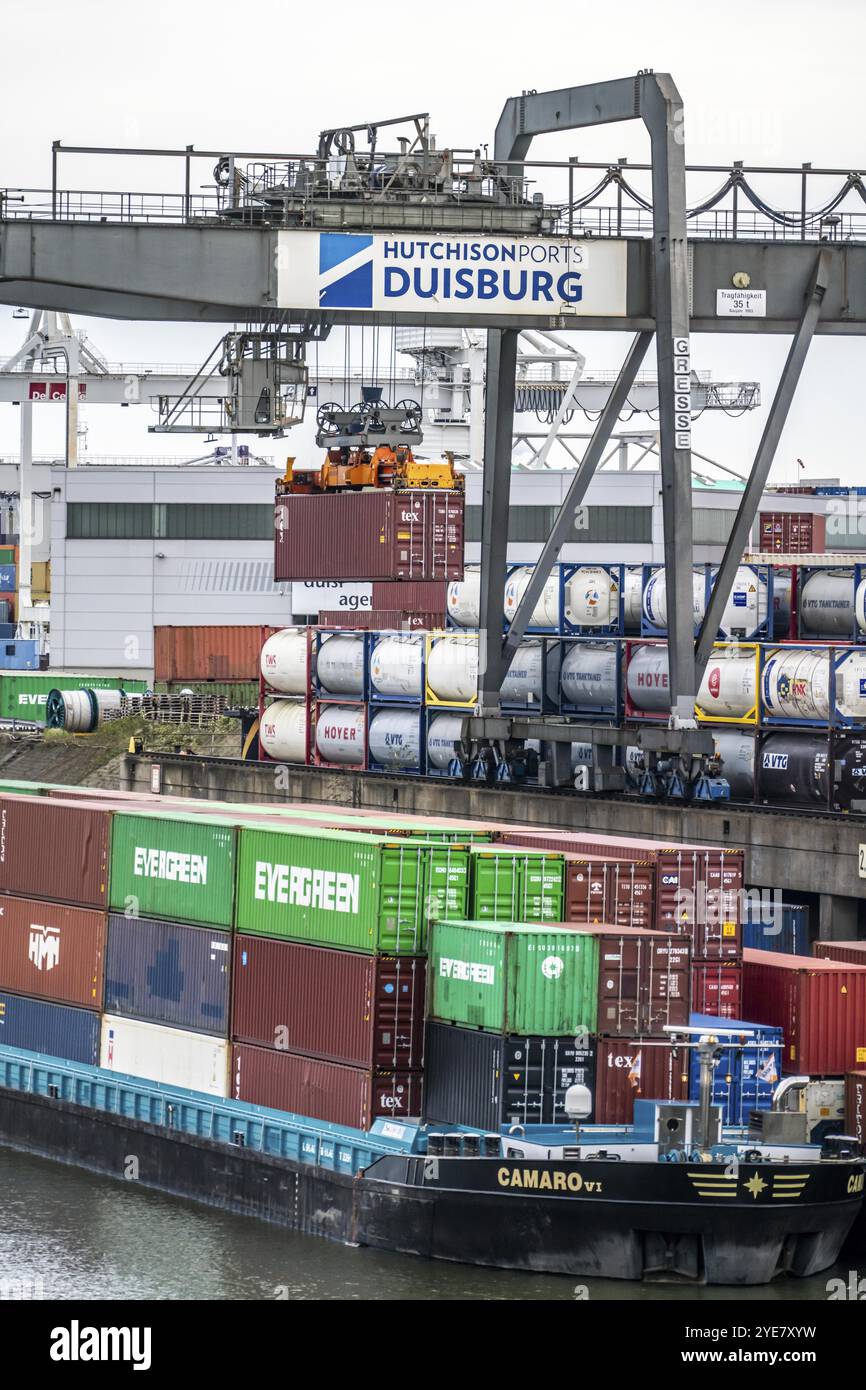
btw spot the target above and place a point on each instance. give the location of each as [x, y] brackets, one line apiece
[79, 711]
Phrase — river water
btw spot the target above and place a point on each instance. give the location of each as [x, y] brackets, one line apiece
[67, 1234]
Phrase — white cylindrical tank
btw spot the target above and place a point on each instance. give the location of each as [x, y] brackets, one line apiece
[394, 738]
[592, 597]
[283, 661]
[827, 604]
[729, 688]
[647, 679]
[464, 598]
[546, 610]
[632, 597]
[737, 754]
[340, 664]
[655, 598]
[395, 666]
[452, 669]
[795, 684]
[781, 603]
[745, 613]
[851, 685]
[860, 606]
[442, 733]
[283, 731]
[523, 681]
[340, 734]
[587, 676]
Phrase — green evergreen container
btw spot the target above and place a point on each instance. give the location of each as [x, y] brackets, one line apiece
[512, 977]
[24, 694]
[516, 885]
[177, 866]
[358, 892]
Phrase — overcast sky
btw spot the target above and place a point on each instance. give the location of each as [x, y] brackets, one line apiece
[775, 82]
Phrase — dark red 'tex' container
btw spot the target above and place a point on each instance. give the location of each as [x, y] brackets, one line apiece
[352, 1096]
[380, 534]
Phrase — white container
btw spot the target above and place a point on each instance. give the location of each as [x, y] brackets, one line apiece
[172, 1056]
[587, 676]
[632, 597]
[592, 597]
[655, 598]
[340, 664]
[860, 606]
[394, 738]
[443, 731]
[283, 661]
[745, 613]
[523, 680]
[728, 689]
[827, 603]
[463, 600]
[396, 666]
[452, 669]
[340, 734]
[546, 610]
[795, 684]
[283, 731]
[851, 684]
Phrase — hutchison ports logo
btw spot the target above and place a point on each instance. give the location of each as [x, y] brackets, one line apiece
[345, 270]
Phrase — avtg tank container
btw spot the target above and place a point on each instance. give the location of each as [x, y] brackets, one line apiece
[180, 867]
[794, 769]
[546, 613]
[165, 972]
[49, 951]
[343, 1006]
[170, 1056]
[588, 677]
[394, 738]
[285, 661]
[341, 734]
[349, 1096]
[443, 730]
[340, 665]
[507, 977]
[54, 1029]
[284, 731]
[484, 1080]
[464, 598]
[736, 751]
[396, 668]
[829, 603]
[452, 670]
[820, 1005]
[655, 599]
[592, 595]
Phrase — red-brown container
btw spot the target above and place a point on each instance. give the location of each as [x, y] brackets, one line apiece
[819, 1004]
[792, 533]
[207, 653]
[717, 989]
[322, 1090]
[426, 597]
[643, 981]
[383, 620]
[379, 534]
[54, 849]
[365, 1011]
[636, 1068]
[852, 952]
[599, 889]
[50, 951]
[855, 1105]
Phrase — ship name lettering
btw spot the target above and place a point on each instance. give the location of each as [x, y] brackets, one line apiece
[542, 1180]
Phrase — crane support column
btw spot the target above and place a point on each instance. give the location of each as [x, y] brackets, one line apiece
[498, 429]
[751, 498]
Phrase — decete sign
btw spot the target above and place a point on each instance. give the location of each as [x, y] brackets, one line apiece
[428, 274]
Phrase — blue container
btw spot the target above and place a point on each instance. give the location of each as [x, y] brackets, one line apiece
[54, 1029]
[745, 1077]
[163, 972]
[19, 654]
[788, 933]
[7, 630]
[7, 579]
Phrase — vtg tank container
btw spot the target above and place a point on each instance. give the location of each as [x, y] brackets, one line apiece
[443, 731]
[588, 676]
[794, 769]
[394, 738]
[396, 667]
[830, 604]
[284, 660]
[284, 731]
[736, 751]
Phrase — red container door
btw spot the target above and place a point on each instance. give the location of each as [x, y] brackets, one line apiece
[631, 1069]
[667, 997]
[717, 989]
[49, 951]
[445, 534]
[631, 894]
[586, 892]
